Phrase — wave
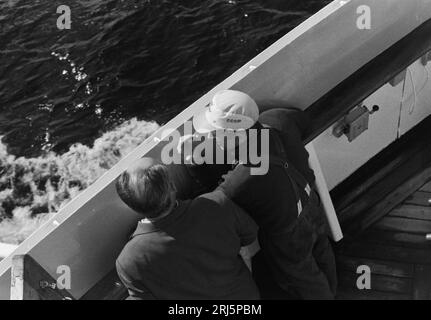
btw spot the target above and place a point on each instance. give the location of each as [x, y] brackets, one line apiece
[34, 189]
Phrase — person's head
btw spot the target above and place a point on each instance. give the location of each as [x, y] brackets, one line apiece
[147, 188]
[230, 111]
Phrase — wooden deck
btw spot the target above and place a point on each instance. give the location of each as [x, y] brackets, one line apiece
[396, 250]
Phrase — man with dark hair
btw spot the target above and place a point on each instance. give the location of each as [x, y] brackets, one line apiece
[148, 191]
[183, 249]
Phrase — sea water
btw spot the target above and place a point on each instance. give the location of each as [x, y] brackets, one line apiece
[73, 102]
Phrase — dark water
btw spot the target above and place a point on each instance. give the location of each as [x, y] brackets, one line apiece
[148, 59]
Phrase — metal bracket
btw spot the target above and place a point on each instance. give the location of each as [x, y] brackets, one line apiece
[30, 281]
[45, 284]
[354, 123]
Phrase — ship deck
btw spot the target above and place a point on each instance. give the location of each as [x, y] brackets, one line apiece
[396, 250]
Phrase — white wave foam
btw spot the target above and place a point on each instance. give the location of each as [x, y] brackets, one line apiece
[33, 189]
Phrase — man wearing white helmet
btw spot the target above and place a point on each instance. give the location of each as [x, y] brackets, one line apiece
[219, 119]
[229, 110]
[296, 260]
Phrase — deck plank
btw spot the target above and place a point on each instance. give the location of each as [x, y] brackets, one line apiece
[401, 239]
[412, 211]
[386, 252]
[419, 198]
[426, 187]
[355, 294]
[382, 283]
[404, 225]
[381, 267]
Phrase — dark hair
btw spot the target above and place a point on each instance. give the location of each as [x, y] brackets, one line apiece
[147, 190]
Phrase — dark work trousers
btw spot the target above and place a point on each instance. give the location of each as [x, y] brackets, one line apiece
[323, 256]
[298, 262]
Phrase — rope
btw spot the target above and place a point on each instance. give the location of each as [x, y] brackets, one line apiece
[416, 93]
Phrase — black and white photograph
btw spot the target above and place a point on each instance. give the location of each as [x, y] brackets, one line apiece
[215, 155]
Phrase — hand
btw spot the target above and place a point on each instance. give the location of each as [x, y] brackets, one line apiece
[249, 252]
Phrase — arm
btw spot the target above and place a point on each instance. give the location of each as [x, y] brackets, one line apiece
[234, 184]
[245, 226]
[247, 229]
[248, 252]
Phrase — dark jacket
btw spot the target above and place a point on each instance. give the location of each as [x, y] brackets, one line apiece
[193, 253]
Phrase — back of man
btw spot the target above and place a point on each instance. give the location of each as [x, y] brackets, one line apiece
[288, 235]
[191, 254]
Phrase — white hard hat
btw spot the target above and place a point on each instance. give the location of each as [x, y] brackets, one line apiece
[229, 110]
